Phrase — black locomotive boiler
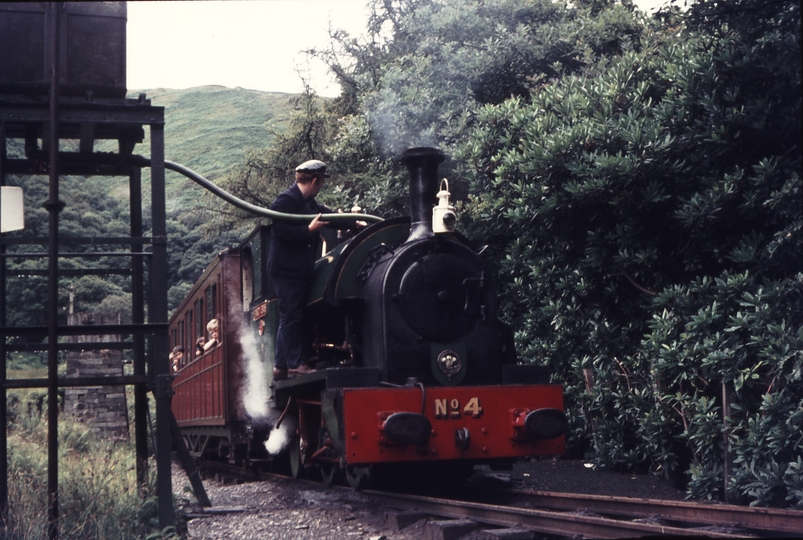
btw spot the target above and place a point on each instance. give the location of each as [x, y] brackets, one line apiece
[415, 371]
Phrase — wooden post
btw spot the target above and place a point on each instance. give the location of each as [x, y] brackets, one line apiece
[726, 458]
[588, 375]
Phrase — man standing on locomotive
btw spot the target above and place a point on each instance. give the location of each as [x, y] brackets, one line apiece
[291, 259]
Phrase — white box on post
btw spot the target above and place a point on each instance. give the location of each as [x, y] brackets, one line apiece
[11, 209]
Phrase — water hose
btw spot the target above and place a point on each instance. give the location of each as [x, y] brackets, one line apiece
[258, 210]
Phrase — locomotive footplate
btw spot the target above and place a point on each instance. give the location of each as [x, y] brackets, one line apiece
[310, 385]
[334, 378]
[481, 423]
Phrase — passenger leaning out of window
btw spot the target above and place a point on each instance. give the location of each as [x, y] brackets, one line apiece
[213, 327]
[177, 358]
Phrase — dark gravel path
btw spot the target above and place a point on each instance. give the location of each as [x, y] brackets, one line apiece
[285, 509]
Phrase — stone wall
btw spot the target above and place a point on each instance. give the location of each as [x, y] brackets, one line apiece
[104, 407]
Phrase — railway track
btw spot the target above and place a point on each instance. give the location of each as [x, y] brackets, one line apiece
[609, 517]
[594, 516]
[771, 520]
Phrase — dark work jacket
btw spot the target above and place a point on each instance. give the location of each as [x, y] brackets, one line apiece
[292, 246]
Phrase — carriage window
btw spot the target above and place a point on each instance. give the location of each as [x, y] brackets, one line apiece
[173, 341]
[257, 255]
[213, 329]
[248, 278]
[200, 323]
[211, 305]
[179, 338]
[189, 345]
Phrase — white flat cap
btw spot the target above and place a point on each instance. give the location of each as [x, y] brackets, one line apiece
[313, 166]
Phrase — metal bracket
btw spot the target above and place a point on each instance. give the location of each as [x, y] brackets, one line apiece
[164, 386]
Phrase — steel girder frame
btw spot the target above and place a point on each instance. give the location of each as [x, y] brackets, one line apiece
[18, 116]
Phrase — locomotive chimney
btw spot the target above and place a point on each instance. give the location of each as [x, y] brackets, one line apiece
[423, 164]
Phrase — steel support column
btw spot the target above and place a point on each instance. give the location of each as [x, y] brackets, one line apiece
[158, 314]
[53, 206]
[138, 317]
[3, 374]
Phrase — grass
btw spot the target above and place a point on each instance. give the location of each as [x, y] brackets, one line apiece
[98, 493]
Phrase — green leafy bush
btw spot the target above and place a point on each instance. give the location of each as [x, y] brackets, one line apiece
[638, 185]
[647, 215]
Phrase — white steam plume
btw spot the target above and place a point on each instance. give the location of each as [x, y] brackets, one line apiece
[255, 396]
[279, 439]
[255, 393]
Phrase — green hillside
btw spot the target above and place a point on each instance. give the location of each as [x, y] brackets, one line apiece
[209, 129]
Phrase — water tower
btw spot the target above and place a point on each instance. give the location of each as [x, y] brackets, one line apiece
[62, 79]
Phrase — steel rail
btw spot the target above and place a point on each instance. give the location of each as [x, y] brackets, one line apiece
[561, 523]
[748, 517]
[574, 520]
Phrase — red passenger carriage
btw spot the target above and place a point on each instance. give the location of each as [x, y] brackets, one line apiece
[208, 403]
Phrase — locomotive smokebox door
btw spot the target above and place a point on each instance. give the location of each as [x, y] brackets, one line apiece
[434, 296]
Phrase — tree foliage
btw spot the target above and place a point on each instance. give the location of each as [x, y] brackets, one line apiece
[648, 213]
[639, 185]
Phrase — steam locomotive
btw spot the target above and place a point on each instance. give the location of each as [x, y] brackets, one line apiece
[415, 373]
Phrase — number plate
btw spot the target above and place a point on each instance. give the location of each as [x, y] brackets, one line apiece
[452, 408]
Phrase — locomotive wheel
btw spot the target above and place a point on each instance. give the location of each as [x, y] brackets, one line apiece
[330, 473]
[358, 477]
[297, 469]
